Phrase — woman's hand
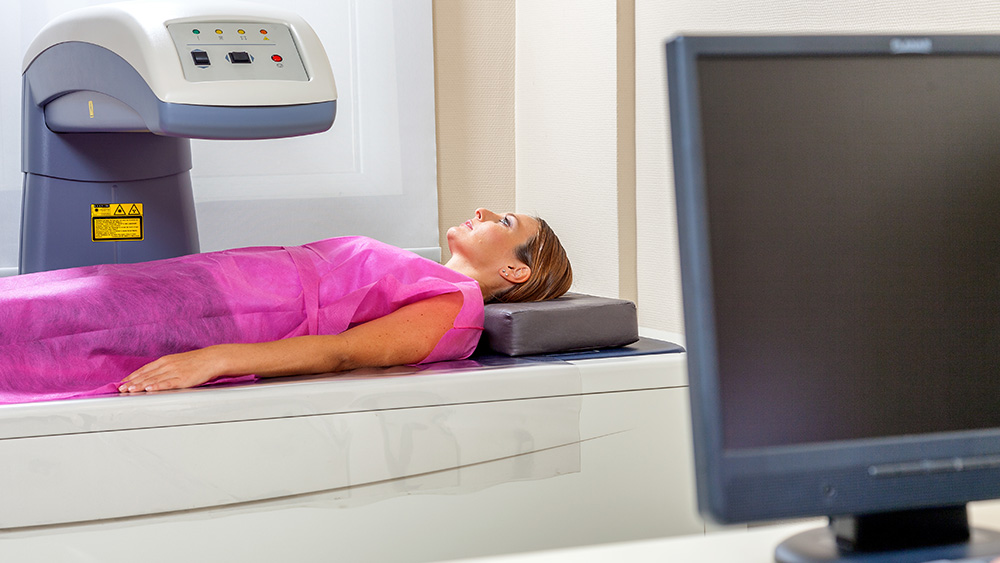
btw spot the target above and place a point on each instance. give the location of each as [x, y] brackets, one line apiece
[177, 371]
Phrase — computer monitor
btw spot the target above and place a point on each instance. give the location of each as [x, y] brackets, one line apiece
[838, 208]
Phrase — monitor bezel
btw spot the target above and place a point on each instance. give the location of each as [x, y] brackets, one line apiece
[828, 478]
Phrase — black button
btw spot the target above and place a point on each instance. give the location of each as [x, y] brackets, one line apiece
[239, 57]
[200, 58]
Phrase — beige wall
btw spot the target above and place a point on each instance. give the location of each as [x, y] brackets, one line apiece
[474, 96]
[542, 135]
[558, 107]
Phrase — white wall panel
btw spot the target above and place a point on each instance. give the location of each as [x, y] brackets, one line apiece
[567, 131]
[657, 20]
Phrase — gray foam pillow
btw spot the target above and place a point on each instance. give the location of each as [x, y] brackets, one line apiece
[572, 322]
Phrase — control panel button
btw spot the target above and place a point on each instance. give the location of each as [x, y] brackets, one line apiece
[240, 58]
[200, 58]
[276, 58]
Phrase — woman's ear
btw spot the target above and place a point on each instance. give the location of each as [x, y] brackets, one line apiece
[516, 274]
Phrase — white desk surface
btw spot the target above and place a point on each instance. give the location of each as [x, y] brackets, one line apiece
[755, 545]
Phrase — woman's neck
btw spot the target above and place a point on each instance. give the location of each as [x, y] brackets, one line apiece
[464, 267]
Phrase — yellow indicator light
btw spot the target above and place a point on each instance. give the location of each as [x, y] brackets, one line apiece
[90, 105]
[219, 31]
[240, 31]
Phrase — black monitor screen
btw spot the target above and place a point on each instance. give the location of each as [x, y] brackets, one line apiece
[854, 220]
[838, 212]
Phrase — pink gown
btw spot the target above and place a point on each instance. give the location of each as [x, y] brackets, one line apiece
[78, 332]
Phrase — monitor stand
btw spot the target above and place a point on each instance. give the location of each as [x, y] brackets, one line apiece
[898, 537]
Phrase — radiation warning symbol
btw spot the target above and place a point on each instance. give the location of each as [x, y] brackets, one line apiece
[116, 222]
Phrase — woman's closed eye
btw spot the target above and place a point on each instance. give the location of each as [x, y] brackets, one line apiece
[505, 221]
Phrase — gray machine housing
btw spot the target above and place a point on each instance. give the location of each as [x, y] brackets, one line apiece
[136, 151]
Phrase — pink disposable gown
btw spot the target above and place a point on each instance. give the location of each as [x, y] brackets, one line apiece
[78, 332]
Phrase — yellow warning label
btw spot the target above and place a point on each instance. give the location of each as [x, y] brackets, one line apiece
[116, 221]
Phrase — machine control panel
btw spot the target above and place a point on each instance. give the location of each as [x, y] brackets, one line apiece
[237, 51]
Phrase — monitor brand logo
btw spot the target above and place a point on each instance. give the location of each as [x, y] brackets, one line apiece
[899, 45]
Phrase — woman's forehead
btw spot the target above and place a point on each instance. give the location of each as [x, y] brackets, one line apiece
[527, 221]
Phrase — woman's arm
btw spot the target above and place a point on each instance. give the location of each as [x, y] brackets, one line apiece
[405, 336]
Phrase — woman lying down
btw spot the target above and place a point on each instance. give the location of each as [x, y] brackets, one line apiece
[328, 306]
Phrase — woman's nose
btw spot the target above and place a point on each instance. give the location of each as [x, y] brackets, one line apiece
[483, 214]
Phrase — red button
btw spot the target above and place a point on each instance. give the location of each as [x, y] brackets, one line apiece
[276, 58]
[263, 32]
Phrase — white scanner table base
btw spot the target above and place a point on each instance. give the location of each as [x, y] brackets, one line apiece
[400, 464]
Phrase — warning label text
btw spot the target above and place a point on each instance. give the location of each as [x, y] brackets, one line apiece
[116, 221]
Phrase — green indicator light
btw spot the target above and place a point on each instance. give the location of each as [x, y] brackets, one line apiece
[196, 31]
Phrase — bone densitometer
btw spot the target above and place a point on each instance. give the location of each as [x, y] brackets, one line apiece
[112, 96]
[489, 455]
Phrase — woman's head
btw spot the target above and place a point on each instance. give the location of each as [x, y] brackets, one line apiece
[551, 273]
[514, 257]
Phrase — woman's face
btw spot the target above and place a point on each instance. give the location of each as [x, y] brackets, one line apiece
[489, 238]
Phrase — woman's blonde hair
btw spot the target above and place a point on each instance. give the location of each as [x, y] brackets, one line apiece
[551, 273]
